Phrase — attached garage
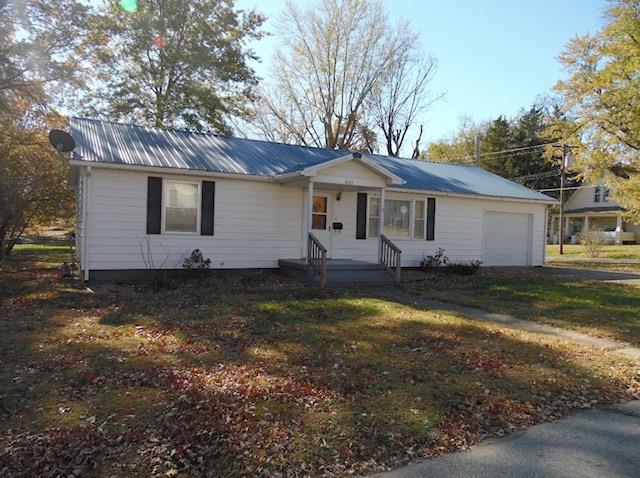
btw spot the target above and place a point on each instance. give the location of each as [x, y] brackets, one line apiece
[507, 239]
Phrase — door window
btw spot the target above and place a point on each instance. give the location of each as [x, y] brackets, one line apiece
[319, 213]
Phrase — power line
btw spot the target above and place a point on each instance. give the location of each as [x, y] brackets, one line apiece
[513, 150]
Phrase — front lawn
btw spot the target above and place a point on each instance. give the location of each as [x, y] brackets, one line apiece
[264, 377]
[608, 251]
[597, 308]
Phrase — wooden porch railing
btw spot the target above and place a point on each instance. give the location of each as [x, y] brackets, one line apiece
[317, 257]
[390, 256]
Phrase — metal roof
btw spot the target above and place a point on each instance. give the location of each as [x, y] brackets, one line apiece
[117, 143]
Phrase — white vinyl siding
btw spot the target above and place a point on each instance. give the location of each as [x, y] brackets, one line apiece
[257, 223]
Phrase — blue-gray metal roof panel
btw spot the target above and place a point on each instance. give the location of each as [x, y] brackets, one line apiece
[102, 141]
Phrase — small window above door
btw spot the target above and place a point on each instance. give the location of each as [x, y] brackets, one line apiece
[319, 213]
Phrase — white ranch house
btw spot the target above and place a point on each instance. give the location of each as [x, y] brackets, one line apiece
[590, 208]
[250, 204]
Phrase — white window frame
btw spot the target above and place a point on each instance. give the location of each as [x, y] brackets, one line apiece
[165, 195]
[597, 194]
[424, 219]
[325, 214]
[369, 216]
[401, 238]
[412, 219]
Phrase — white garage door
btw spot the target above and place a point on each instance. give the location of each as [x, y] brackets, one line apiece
[507, 239]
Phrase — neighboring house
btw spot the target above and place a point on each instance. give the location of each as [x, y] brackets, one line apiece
[148, 193]
[590, 208]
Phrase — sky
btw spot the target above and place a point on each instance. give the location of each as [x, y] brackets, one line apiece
[494, 56]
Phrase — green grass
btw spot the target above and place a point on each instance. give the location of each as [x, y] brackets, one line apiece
[608, 251]
[42, 247]
[597, 308]
[259, 376]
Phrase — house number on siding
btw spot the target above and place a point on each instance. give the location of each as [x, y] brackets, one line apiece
[348, 181]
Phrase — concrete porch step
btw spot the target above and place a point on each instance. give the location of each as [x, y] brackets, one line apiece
[338, 271]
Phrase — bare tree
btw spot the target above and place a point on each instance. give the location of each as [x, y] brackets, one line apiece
[401, 96]
[332, 56]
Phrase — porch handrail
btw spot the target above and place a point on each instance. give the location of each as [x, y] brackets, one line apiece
[317, 257]
[390, 257]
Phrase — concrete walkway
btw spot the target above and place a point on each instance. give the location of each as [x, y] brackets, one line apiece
[520, 324]
[587, 444]
[593, 260]
[558, 271]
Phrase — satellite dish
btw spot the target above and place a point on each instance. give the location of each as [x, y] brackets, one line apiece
[61, 140]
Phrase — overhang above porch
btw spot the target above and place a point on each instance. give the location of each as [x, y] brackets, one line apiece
[350, 172]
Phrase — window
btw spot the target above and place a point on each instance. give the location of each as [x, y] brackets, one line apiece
[396, 217]
[605, 194]
[596, 195]
[181, 207]
[374, 217]
[319, 213]
[418, 221]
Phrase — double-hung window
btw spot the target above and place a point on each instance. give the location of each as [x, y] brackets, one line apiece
[374, 217]
[181, 206]
[418, 220]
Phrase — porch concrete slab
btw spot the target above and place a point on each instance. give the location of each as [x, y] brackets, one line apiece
[588, 444]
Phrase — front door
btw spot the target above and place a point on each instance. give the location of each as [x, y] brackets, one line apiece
[321, 219]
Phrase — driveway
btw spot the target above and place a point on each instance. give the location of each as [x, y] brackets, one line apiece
[588, 444]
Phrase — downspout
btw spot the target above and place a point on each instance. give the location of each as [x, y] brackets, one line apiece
[85, 220]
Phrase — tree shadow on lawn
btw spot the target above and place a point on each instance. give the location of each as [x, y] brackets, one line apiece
[277, 380]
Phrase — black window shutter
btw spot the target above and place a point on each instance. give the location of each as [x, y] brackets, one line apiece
[207, 208]
[154, 205]
[431, 219]
[361, 216]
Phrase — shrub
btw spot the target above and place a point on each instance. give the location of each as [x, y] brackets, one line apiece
[196, 262]
[592, 241]
[436, 260]
[463, 268]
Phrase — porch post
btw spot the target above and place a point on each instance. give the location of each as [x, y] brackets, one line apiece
[619, 229]
[308, 224]
[566, 227]
[586, 223]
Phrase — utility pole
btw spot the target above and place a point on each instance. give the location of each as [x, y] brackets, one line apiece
[566, 149]
[478, 150]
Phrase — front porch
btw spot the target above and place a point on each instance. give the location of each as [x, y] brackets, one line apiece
[342, 240]
[610, 227]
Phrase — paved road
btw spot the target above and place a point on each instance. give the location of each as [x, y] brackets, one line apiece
[588, 444]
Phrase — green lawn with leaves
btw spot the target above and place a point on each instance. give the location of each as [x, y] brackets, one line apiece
[630, 251]
[261, 376]
[602, 309]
